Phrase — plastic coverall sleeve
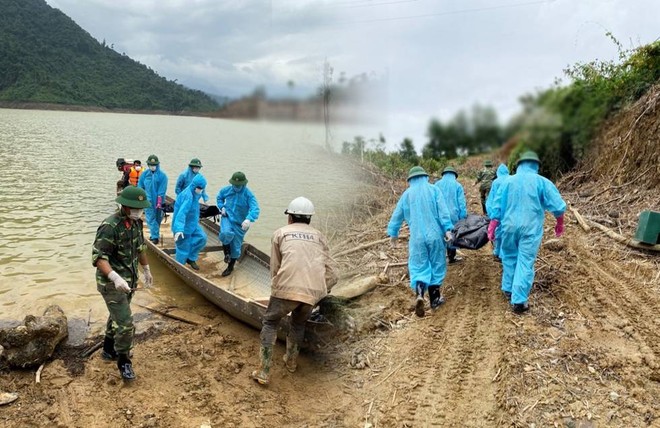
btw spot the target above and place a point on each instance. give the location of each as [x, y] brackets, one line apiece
[253, 213]
[181, 183]
[183, 205]
[552, 200]
[397, 218]
[220, 199]
[462, 204]
[162, 185]
[444, 217]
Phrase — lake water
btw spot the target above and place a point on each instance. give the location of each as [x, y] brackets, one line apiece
[57, 183]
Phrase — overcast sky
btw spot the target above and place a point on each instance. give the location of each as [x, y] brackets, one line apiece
[439, 56]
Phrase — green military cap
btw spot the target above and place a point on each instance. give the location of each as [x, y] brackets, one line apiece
[153, 160]
[529, 156]
[133, 197]
[488, 162]
[416, 171]
[449, 169]
[195, 162]
[238, 179]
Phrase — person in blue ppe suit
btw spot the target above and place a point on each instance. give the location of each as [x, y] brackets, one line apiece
[238, 210]
[422, 206]
[519, 207]
[454, 197]
[186, 177]
[189, 237]
[154, 182]
[502, 175]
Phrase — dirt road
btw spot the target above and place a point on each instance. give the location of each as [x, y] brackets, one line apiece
[586, 355]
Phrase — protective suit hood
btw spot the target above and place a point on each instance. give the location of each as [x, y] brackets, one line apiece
[528, 166]
[502, 171]
[198, 181]
[418, 181]
[449, 177]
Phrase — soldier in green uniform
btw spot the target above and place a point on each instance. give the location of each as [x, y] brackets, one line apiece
[118, 247]
[485, 177]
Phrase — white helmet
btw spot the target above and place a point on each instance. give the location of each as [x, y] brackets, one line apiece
[300, 206]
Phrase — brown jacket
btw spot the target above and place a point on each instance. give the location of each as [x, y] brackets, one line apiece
[300, 264]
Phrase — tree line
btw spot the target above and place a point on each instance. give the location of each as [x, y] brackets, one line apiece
[45, 57]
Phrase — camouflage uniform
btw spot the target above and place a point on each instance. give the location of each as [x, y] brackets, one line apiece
[120, 242]
[486, 176]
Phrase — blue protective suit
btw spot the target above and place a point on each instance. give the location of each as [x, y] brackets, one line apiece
[519, 206]
[502, 175]
[186, 220]
[240, 204]
[155, 184]
[454, 196]
[422, 206]
[184, 180]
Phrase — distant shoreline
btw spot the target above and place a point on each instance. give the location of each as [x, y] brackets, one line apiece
[95, 109]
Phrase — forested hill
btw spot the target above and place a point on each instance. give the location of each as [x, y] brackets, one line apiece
[45, 57]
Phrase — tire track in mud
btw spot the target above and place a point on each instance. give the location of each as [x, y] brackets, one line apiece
[625, 298]
[456, 388]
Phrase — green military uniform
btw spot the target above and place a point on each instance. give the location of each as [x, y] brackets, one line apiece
[486, 177]
[120, 242]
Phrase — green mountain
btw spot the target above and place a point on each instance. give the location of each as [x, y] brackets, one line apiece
[45, 57]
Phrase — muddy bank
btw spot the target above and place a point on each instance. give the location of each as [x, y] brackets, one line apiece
[587, 354]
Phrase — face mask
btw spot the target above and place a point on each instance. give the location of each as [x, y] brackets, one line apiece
[152, 168]
[237, 188]
[138, 167]
[195, 170]
[199, 190]
[135, 214]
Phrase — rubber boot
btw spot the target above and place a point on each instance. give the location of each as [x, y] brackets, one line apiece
[451, 254]
[520, 308]
[419, 301]
[227, 250]
[193, 264]
[230, 268]
[435, 297]
[262, 374]
[108, 353]
[125, 367]
[291, 356]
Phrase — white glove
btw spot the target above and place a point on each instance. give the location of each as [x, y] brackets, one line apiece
[120, 283]
[393, 241]
[246, 225]
[223, 212]
[178, 235]
[148, 279]
[449, 236]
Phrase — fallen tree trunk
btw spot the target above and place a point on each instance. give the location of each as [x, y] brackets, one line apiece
[583, 224]
[626, 241]
[364, 246]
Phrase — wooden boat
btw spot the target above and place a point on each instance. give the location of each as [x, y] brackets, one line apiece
[244, 294]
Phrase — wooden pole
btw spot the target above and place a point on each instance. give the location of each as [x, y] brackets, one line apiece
[622, 239]
[583, 224]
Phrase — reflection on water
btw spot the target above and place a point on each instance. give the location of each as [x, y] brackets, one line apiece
[57, 183]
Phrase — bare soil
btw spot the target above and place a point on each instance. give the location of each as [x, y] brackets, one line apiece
[586, 355]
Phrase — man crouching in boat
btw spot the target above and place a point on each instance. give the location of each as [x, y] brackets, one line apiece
[302, 274]
[189, 237]
[118, 247]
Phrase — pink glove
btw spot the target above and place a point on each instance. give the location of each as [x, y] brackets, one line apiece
[491, 229]
[559, 227]
[159, 201]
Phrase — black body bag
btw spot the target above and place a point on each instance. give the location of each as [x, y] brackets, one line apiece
[471, 233]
